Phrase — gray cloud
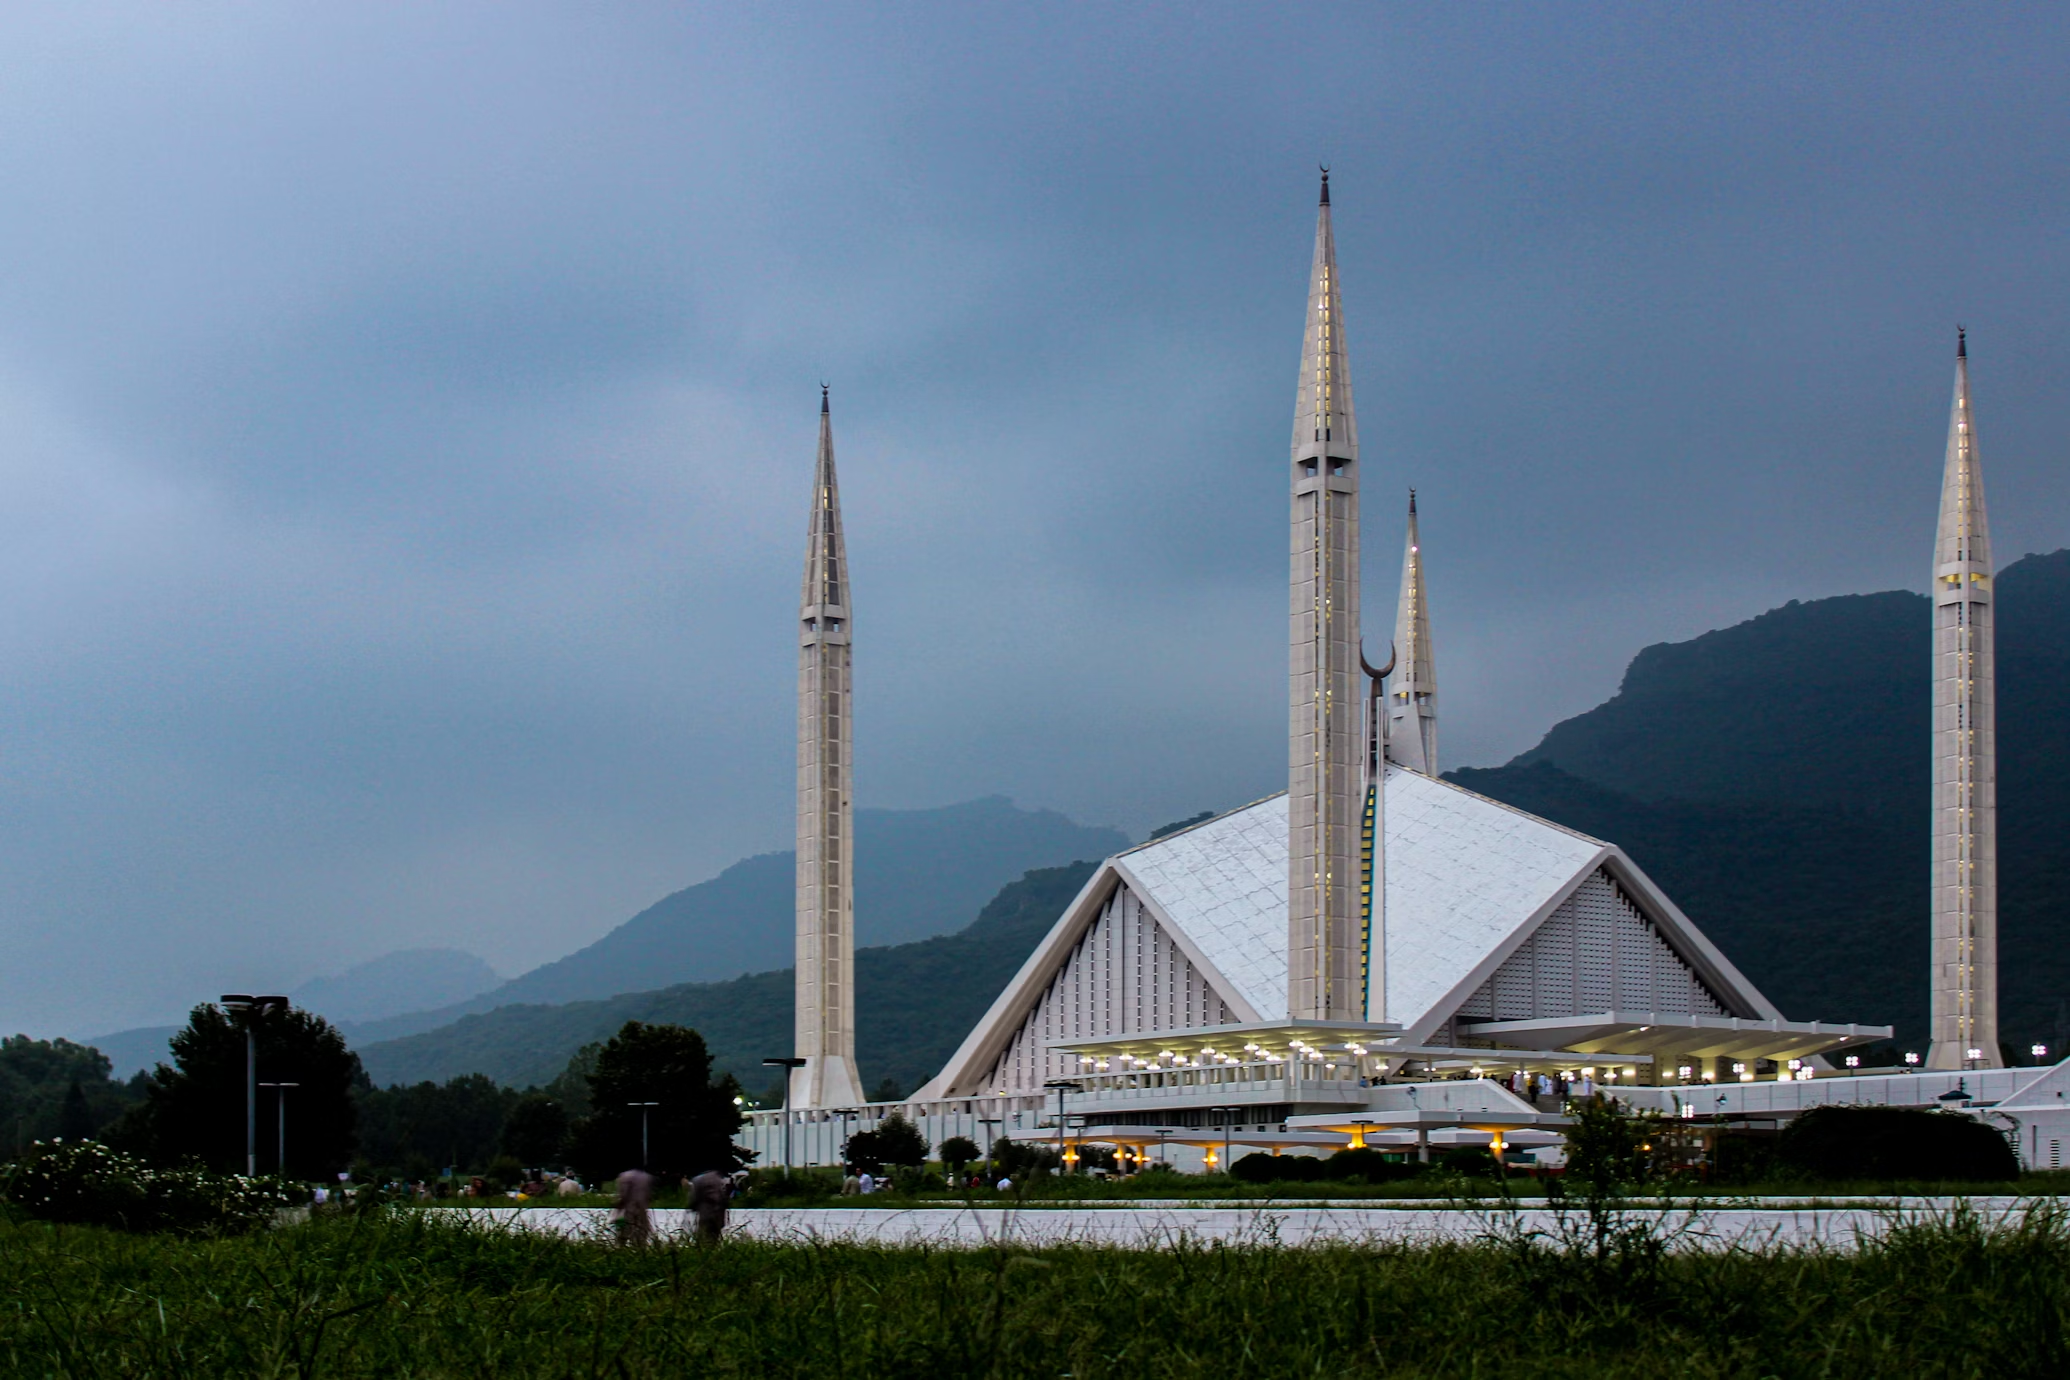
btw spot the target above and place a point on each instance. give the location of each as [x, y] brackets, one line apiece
[405, 414]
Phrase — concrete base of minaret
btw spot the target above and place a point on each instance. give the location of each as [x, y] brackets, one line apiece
[829, 1081]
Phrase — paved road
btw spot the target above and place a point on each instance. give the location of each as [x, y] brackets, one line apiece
[1837, 1225]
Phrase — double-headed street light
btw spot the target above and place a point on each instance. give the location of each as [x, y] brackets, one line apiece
[787, 1064]
[1062, 1085]
[250, 1007]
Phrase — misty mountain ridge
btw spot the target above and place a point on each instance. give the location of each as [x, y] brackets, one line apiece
[914, 1004]
[396, 983]
[918, 874]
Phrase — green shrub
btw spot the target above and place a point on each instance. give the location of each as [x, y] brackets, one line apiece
[1474, 1161]
[79, 1181]
[1894, 1143]
[88, 1183]
[1364, 1162]
[1261, 1168]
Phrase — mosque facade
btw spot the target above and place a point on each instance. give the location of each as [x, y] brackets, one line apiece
[1379, 956]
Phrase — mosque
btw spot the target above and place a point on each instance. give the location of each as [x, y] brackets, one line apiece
[1376, 956]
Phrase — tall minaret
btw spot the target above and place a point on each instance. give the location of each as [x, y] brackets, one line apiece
[1412, 725]
[1965, 758]
[1325, 761]
[826, 812]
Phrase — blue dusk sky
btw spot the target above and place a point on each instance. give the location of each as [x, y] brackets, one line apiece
[407, 412]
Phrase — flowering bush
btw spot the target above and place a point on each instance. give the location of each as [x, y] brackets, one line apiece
[85, 1181]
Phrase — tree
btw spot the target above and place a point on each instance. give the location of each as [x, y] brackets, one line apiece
[536, 1131]
[958, 1151]
[691, 1127]
[1894, 1143]
[570, 1086]
[894, 1141]
[194, 1108]
[75, 1118]
[428, 1125]
[36, 1082]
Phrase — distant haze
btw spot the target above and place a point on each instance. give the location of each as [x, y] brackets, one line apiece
[406, 413]
[407, 980]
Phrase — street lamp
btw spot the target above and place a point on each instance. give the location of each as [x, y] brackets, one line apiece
[643, 1106]
[2038, 1051]
[1228, 1115]
[1062, 1085]
[281, 1094]
[250, 1007]
[786, 1064]
[989, 1121]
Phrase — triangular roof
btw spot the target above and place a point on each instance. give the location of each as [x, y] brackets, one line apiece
[1468, 881]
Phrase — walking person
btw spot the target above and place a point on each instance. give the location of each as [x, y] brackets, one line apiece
[710, 1193]
[630, 1212]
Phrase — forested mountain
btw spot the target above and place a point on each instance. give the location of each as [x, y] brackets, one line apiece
[1774, 777]
[914, 1003]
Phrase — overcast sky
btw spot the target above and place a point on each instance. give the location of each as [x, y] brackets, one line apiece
[407, 413]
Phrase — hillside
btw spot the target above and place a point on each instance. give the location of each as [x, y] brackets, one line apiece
[1773, 777]
[918, 873]
[914, 1004]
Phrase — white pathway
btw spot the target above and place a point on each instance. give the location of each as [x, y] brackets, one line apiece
[1835, 1223]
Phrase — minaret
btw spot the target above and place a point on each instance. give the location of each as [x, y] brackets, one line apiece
[1412, 725]
[1965, 758]
[826, 814]
[1325, 767]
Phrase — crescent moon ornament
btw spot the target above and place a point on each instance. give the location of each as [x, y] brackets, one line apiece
[1385, 671]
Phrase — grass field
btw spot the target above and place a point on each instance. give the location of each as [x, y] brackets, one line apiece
[417, 1294]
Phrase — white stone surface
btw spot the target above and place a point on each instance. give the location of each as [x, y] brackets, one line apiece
[1463, 873]
[1838, 1224]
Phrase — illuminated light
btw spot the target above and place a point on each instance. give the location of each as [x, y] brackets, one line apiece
[1710, 1075]
[1974, 1054]
[1796, 1063]
[2038, 1051]
[1685, 1072]
[1739, 1068]
[1746, 1078]
[1805, 1075]
[1911, 1058]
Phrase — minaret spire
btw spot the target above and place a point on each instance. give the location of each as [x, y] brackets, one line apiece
[825, 1007]
[1412, 705]
[1325, 760]
[1965, 757]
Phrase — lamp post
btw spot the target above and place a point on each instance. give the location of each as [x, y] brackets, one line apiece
[643, 1106]
[251, 1008]
[1062, 1085]
[1228, 1115]
[989, 1121]
[280, 1093]
[786, 1064]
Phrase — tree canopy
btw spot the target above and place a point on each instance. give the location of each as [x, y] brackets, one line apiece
[689, 1129]
[194, 1108]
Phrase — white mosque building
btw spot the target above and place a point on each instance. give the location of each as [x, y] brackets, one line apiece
[1377, 956]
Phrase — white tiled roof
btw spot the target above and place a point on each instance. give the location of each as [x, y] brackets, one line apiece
[1463, 873]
